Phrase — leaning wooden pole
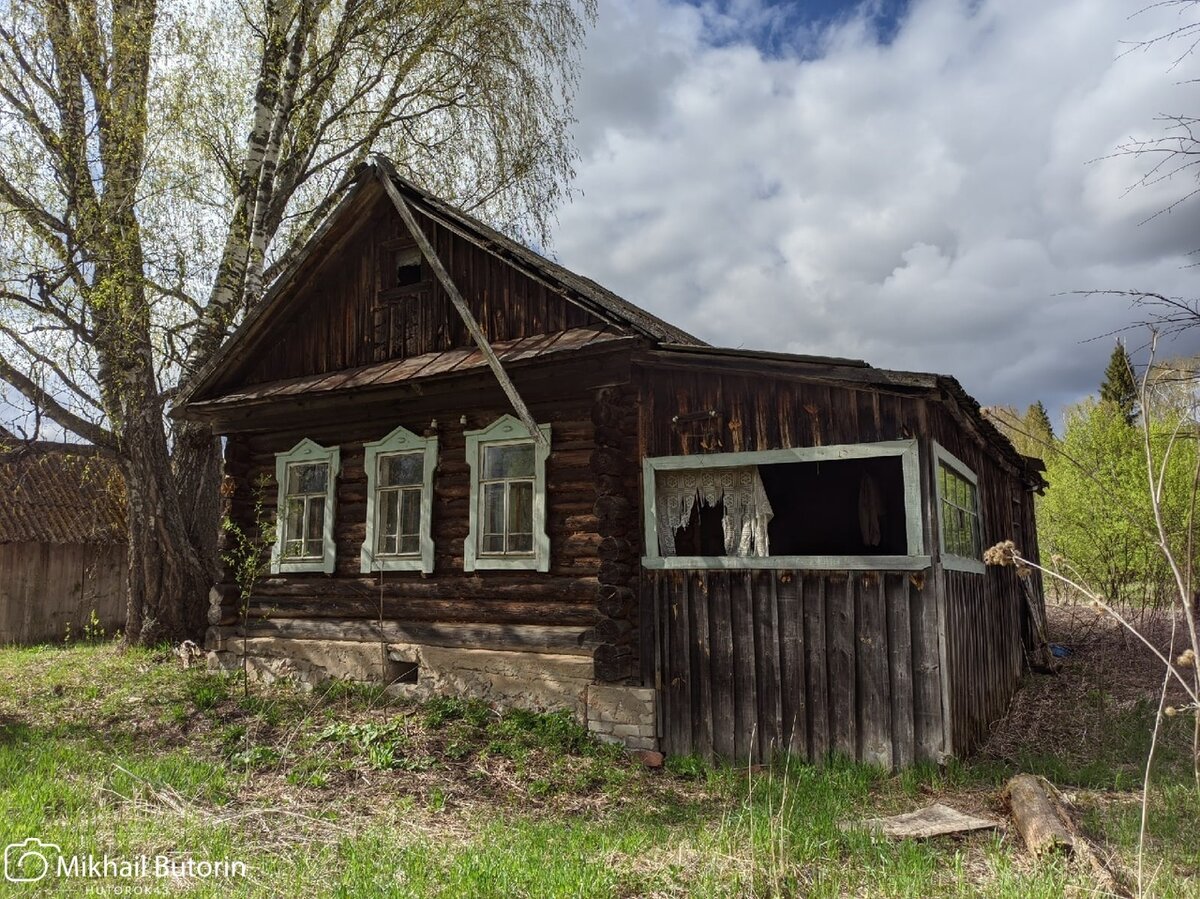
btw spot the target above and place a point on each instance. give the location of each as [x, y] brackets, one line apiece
[460, 304]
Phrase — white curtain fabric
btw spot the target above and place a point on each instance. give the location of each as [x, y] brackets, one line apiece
[747, 509]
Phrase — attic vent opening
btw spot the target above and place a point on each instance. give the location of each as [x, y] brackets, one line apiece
[408, 268]
[402, 270]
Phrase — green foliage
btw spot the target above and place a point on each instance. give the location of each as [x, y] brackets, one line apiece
[1031, 434]
[207, 691]
[1097, 513]
[1119, 387]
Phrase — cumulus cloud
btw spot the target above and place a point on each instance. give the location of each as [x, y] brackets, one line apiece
[929, 201]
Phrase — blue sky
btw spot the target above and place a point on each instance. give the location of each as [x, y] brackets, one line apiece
[923, 185]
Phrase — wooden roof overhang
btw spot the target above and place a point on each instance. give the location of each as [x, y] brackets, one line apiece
[855, 373]
[558, 362]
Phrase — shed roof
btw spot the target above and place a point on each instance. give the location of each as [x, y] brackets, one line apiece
[60, 493]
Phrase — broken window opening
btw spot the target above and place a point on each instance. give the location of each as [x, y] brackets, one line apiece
[847, 507]
[844, 507]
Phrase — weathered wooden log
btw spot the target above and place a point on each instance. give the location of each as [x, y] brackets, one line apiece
[1035, 816]
[612, 506]
[548, 613]
[612, 630]
[614, 663]
[617, 572]
[617, 549]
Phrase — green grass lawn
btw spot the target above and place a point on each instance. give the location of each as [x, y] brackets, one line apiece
[346, 792]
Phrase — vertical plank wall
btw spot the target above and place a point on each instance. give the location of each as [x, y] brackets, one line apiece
[986, 617]
[46, 587]
[749, 663]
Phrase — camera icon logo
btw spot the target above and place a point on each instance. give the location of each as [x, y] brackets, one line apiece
[29, 860]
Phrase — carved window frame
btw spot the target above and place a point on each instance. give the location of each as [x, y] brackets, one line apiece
[507, 429]
[306, 451]
[400, 441]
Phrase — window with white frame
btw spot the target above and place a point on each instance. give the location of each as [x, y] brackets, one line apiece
[400, 471]
[853, 506]
[958, 513]
[307, 479]
[508, 497]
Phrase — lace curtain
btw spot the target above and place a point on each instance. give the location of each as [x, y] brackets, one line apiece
[746, 507]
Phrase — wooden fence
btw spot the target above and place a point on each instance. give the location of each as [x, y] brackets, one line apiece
[45, 587]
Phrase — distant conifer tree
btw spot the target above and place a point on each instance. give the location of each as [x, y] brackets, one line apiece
[1119, 387]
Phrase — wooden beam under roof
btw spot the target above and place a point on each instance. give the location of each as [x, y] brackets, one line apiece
[460, 306]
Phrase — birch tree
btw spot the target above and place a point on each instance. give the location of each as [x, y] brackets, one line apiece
[161, 161]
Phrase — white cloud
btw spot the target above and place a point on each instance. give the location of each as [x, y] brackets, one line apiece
[925, 204]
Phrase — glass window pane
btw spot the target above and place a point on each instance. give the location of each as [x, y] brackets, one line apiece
[401, 470]
[293, 527]
[386, 544]
[493, 543]
[493, 509]
[410, 545]
[313, 548]
[410, 512]
[293, 548]
[510, 461]
[316, 519]
[308, 477]
[388, 517]
[520, 508]
[520, 543]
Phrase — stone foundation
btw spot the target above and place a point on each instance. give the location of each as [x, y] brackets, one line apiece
[536, 681]
[618, 714]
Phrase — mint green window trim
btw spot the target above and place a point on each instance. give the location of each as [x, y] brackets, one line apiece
[399, 442]
[306, 451]
[507, 430]
[952, 561]
[916, 558]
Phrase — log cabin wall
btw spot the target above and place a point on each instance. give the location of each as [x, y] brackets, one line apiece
[346, 315]
[585, 605]
[557, 609]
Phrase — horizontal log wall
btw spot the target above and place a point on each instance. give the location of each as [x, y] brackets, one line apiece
[811, 663]
[566, 595]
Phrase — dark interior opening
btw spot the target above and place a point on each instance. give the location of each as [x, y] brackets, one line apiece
[405, 672]
[848, 507]
[408, 274]
[703, 535]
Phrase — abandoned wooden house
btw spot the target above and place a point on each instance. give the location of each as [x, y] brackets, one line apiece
[490, 475]
[62, 541]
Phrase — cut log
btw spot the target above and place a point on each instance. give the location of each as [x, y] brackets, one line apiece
[1035, 816]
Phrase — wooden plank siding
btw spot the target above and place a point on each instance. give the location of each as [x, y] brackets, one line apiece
[986, 622]
[46, 588]
[878, 666]
[741, 682]
[345, 317]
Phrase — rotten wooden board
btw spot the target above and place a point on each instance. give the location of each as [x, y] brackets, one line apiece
[932, 821]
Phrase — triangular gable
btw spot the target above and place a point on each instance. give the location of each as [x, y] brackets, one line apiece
[280, 317]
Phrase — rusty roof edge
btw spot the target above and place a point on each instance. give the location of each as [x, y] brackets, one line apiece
[609, 344]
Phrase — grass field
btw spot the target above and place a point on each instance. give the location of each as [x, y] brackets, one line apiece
[346, 792]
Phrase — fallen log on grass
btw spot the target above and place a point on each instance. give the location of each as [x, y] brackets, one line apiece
[1035, 816]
